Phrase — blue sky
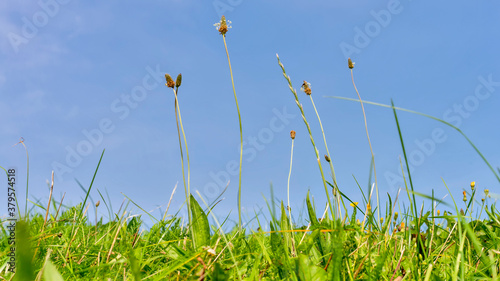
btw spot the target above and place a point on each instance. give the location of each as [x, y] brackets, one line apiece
[79, 77]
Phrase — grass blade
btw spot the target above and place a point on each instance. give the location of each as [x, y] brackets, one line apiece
[91, 183]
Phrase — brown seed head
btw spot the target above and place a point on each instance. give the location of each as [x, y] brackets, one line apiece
[327, 158]
[350, 63]
[170, 82]
[223, 25]
[178, 81]
[292, 134]
[306, 88]
[98, 203]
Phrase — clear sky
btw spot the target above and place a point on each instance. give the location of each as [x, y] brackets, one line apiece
[78, 77]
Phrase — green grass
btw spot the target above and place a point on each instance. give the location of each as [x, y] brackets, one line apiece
[362, 242]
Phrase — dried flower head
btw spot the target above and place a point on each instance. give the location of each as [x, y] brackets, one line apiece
[98, 203]
[327, 158]
[178, 81]
[306, 88]
[170, 82]
[350, 63]
[223, 25]
[292, 134]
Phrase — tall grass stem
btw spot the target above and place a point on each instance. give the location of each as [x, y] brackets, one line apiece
[370, 143]
[337, 193]
[241, 131]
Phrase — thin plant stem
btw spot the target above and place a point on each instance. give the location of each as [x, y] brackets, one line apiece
[241, 132]
[309, 131]
[288, 197]
[178, 111]
[369, 142]
[337, 194]
[182, 154]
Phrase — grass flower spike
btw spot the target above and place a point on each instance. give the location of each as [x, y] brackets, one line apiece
[223, 27]
[170, 82]
[178, 81]
[180, 128]
[306, 88]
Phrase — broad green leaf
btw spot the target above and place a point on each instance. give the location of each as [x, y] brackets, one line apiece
[201, 228]
[50, 273]
[307, 271]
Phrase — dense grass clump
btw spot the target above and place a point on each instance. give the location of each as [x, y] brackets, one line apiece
[454, 247]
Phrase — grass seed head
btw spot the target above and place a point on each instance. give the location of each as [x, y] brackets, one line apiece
[178, 81]
[327, 158]
[292, 134]
[350, 63]
[223, 25]
[170, 82]
[306, 88]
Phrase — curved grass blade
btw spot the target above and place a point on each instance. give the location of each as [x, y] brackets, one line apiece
[497, 175]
